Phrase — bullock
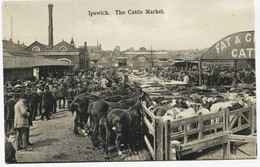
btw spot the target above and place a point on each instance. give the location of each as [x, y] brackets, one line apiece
[227, 105]
[171, 114]
[190, 112]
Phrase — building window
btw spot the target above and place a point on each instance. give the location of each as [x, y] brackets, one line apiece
[63, 49]
[36, 49]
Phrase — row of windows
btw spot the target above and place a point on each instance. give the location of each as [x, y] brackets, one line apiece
[38, 49]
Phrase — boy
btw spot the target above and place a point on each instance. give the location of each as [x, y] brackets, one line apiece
[9, 147]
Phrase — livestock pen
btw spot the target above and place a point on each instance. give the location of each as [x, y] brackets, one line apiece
[164, 142]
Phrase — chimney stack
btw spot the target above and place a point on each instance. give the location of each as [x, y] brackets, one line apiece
[50, 25]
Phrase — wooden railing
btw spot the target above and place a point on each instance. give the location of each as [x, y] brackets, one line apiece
[231, 138]
[154, 125]
[194, 133]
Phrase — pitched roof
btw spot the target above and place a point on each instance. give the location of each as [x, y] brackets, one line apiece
[92, 48]
[70, 48]
[43, 47]
[30, 62]
[14, 49]
[155, 54]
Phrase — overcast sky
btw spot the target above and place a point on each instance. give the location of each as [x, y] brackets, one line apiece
[186, 24]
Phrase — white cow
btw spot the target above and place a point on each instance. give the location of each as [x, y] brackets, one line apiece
[190, 112]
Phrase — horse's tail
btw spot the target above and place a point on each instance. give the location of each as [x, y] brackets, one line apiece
[73, 107]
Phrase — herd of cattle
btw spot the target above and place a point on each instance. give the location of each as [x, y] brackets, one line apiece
[115, 115]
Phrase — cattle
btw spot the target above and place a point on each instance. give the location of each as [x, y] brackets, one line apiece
[230, 105]
[171, 114]
[227, 105]
[159, 111]
[190, 112]
[204, 111]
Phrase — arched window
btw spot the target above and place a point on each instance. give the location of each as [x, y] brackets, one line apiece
[63, 49]
[36, 49]
[64, 59]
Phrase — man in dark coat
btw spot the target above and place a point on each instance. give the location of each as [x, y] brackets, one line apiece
[70, 96]
[54, 93]
[34, 99]
[78, 90]
[9, 114]
[47, 102]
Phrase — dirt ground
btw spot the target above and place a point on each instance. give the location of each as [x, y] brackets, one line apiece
[55, 141]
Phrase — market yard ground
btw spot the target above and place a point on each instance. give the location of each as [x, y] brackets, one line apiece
[55, 141]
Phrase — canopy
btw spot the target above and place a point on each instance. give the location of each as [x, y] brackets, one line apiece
[236, 46]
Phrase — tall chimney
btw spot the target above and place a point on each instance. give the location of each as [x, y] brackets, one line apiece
[50, 26]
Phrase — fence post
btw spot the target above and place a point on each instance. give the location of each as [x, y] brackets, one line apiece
[175, 148]
[253, 119]
[167, 139]
[227, 120]
[158, 148]
[226, 146]
[200, 124]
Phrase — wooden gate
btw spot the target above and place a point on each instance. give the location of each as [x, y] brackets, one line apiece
[195, 133]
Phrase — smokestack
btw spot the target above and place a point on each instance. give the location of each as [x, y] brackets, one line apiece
[50, 26]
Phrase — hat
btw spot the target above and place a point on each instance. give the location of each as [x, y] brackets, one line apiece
[23, 96]
[10, 133]
[46, 87]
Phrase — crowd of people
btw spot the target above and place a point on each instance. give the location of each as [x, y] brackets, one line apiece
[215, 75]
[43, 97]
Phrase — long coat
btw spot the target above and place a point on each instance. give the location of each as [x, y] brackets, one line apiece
[61, 91]
[20, 116]
[9, 109]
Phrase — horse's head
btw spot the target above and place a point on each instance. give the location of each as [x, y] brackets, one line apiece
[145, 97]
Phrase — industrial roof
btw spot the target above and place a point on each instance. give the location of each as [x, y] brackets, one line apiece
[30, 62]
[14, 48]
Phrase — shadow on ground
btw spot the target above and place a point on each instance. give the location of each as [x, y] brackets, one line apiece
[45, 142]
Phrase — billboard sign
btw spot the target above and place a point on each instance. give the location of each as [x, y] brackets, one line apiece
[233, 47]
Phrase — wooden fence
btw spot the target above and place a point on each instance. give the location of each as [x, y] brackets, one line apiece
[195, 133]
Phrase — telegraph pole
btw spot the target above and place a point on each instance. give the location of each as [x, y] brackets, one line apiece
[152, 55]
[11, 27]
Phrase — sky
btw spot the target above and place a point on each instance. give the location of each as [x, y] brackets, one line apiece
[185, 24]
